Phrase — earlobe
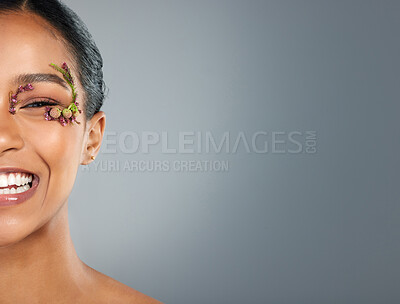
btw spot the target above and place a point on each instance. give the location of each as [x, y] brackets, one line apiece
[95, 133]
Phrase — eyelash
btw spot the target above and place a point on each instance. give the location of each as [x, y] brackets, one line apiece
[41, 103]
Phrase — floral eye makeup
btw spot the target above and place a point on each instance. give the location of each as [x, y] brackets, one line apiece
[13, 97]
[53, 110]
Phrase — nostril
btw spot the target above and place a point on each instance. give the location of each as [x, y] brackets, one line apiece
[9, 149]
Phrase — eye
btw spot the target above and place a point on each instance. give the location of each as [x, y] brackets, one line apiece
[40, 103]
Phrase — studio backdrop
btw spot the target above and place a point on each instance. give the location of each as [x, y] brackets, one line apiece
[251, 153]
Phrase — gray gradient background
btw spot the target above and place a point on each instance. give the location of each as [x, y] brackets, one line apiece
[276, 228]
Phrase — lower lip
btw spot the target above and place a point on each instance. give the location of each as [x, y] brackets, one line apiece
[19, 198]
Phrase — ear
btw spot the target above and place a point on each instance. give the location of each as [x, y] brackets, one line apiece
[94, 136]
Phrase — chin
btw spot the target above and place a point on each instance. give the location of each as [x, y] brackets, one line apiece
[10, 238]
[13, 231]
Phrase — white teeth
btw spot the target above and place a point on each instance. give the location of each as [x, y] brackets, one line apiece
[3, 180]
[18, 179]
[22, 189]
[14, 191]
[21, 180]
[11, 179]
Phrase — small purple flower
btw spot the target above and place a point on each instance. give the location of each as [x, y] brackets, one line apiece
[13, 97]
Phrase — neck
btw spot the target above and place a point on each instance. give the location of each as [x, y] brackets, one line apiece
[42, 264]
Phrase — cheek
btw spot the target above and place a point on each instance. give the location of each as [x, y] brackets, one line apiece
[56, 144]
[58, 150]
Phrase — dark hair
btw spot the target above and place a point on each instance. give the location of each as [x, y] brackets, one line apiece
[79, 42]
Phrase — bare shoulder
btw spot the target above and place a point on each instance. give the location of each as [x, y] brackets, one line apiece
[108, 290]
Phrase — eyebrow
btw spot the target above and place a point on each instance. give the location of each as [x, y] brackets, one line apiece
[40, 77]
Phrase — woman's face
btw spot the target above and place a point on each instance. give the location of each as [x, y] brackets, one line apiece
[29, 143]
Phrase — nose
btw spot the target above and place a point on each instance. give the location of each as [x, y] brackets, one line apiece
[10, 136]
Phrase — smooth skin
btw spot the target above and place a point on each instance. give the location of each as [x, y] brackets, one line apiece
[38, 262]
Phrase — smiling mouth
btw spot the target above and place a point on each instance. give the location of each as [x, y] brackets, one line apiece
[15, 183]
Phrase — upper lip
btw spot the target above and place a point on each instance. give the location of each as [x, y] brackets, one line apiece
[14, 170]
